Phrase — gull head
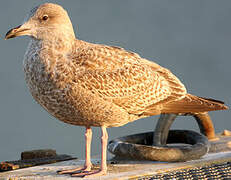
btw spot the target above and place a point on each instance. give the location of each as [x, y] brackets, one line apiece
[45, 22]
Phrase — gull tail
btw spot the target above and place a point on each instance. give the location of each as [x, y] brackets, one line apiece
[193, 104]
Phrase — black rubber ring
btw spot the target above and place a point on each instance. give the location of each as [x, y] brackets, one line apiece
[139, 146]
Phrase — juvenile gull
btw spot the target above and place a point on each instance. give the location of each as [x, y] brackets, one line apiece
[87, 84]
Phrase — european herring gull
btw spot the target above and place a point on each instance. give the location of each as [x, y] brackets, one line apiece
[88, 84]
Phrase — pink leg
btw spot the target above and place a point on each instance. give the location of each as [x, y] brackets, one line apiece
[88, 136]
[104, 140]
[87, 165]
[103, 169]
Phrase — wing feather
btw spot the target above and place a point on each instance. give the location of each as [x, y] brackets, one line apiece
[127, 80]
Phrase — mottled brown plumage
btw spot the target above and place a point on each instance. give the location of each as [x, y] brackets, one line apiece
[87, 84]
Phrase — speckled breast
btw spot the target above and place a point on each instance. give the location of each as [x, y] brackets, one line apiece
[55, 90]
[46, 90]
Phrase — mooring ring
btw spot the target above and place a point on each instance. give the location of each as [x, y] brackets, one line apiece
[193, 145]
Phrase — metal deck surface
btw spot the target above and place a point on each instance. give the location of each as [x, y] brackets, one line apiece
[127, 169]
[213, 171]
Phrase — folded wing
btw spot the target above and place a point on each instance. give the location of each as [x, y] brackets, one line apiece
[124, 78]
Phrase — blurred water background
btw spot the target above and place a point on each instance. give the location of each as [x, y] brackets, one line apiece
[192, 38]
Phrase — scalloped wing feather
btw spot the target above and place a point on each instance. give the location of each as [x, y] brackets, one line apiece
[127, 80]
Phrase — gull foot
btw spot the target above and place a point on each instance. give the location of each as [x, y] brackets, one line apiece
[75, 171]
[90, 174]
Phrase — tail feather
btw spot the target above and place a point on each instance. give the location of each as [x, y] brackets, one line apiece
[214, 100]
[193, 104]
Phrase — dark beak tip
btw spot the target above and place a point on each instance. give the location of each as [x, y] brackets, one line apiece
[10, 33]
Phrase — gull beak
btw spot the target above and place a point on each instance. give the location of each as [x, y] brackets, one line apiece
[18, 31]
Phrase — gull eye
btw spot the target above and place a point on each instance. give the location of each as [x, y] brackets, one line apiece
[45, 17]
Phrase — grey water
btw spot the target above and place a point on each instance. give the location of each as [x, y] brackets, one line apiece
[191, 38]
